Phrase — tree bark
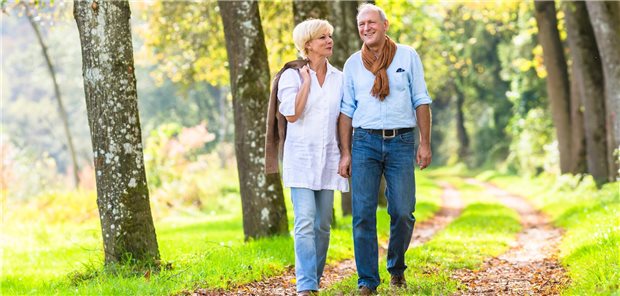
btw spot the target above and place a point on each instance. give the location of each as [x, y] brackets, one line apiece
[303, 10]
[112, 105]
[558, 87]
[578, 140]
[605, 19]
[587, 63]
[61, 107]
[264, 212]
[461, 132]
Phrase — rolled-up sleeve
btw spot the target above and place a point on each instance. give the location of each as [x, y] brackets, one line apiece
[288, 86]
[419, 91]
[348, 104]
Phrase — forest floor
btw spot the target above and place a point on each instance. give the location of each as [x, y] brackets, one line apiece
[547, 235]
[530, 266]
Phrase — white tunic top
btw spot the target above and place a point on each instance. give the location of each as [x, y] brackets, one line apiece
[311, 153]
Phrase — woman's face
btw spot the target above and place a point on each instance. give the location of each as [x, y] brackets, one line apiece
[321, 46]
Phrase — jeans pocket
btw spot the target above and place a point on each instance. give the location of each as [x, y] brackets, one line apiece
[408, 138]
[359, 135]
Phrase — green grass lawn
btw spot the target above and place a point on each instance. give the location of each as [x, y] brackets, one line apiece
[590, 248]
[49, 247]
[485, 228]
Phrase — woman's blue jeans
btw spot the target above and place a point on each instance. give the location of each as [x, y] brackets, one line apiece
[372, 156]
[313, 217]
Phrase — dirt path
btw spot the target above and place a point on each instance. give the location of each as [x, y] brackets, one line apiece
[530, 267]
[284, 284]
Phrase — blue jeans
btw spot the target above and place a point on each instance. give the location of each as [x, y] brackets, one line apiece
[313, 217]
[372, 156]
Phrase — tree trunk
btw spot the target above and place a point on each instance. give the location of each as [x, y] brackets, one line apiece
[112, 105]
[303, 10]
[605, 18]
[461, 132]
[61, 107]
[343, 17]
[558, 87]
[264, 212]
[578, 140]
[588, 64]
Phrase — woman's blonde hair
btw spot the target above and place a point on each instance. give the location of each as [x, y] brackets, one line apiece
[308, 30]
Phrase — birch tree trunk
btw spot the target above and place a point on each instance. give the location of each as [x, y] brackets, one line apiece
[605, 18]
[262, 201]
[112, 105]
[558, 86]
[587, 63]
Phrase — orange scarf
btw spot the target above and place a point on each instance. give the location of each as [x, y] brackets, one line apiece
[378, 66]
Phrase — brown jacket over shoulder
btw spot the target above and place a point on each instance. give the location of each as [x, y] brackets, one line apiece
[276, 122]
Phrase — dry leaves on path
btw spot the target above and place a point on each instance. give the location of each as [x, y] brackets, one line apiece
[530, 267]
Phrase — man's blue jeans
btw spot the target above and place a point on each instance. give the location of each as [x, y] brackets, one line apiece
[313, 217]
[372, 156]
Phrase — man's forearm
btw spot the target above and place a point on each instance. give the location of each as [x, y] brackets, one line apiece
[345, 129]
[423, 115]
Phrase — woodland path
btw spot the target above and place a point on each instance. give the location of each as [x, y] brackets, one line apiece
[530, 267]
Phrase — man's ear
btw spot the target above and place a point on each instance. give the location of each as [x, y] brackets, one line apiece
[387, 25]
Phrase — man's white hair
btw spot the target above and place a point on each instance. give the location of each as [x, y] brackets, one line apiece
[368, 6]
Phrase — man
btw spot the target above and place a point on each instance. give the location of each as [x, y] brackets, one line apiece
[385, 97]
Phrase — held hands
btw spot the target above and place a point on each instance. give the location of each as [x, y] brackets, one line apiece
[344, 167]
[424, 156]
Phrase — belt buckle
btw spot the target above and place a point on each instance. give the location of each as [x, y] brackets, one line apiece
[389, 137]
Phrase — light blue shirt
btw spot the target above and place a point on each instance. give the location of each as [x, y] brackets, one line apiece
[407, 92]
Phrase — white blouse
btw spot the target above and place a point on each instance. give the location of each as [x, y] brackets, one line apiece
[311, 153]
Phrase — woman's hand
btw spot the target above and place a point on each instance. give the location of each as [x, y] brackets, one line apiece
[304, 72]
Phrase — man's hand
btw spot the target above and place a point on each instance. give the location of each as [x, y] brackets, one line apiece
[344, 167]
[424, 156]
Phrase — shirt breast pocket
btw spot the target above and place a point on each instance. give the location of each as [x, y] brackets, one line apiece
[401, 79]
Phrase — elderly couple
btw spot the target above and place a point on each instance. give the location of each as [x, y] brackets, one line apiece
[360, 125]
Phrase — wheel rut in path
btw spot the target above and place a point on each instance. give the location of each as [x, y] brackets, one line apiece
[530, 266]
[284, 284]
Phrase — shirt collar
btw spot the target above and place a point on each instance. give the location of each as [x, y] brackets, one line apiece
[330, 69]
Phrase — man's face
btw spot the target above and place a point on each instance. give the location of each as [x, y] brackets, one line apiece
[371, 28]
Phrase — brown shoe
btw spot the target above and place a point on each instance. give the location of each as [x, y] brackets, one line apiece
[308, 293]
[363, 290]
[398, 281]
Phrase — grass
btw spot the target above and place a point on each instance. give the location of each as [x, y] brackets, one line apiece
[590, 248]
[485, 228]
[52, 245]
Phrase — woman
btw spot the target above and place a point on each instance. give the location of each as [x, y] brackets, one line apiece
[309, 98]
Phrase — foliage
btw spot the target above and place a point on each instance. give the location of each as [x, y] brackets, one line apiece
[182, 170]
[17, 180]
[532, 149]
[30, 118]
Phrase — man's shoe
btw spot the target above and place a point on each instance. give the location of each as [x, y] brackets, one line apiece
[398, 281]
[363, 290]
[308, 293]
